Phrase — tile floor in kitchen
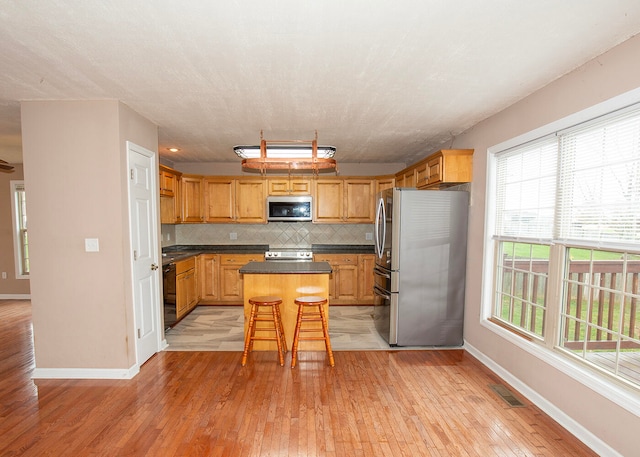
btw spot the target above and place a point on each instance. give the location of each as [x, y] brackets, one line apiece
[220, 328]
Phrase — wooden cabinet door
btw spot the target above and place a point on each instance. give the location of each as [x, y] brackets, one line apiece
[231, 284]
[250, 201]
[329, 200]
[209, 277]
[192, 200]
[288, 186]
[422, 174]
[219, 199]
[347, 282]
[343, 280]
[168, 183]
[366, 262]
[191, 285]
[384, 183]
[182, 299]
[434, 167]
[167, 206]
[359, 200]
[186, 286]
[410, 178]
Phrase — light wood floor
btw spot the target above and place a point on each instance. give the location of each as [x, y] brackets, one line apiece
[373, 403]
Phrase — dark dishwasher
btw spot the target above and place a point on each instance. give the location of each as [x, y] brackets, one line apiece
[169, 295]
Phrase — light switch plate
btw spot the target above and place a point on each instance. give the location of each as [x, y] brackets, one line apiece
[91, 245]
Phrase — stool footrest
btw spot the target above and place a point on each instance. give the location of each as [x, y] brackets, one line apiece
[274, 317]
[311, 309]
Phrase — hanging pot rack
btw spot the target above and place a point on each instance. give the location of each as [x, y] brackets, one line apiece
[265, 162]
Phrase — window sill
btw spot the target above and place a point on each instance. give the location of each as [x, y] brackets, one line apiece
[621, 394]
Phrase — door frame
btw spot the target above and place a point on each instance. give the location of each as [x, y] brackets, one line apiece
[154, 176]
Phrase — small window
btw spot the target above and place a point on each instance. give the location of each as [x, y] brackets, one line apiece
[20, 237]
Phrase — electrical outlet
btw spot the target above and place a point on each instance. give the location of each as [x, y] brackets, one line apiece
[168, 236]
[4, 275]
[368, 236]
[233, 236]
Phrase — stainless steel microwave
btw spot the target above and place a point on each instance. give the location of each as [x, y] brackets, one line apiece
[289, 208]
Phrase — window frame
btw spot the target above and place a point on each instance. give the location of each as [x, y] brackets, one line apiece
[545, 350]
[17, 229]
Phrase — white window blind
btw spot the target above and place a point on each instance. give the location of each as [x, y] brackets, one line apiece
[599, 185]
[526, 190]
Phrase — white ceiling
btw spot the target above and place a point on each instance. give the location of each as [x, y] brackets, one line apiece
[382, 81]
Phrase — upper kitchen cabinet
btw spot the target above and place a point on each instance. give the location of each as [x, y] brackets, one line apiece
[406, 177]
[250, 201]
[168, 181]
[192, 201]
[344, 200]
[385, 182]
[234, 200]
[445, 168]
[359, 200]
[288, 186]
[328, 204]
[219, 199]
[170, 197]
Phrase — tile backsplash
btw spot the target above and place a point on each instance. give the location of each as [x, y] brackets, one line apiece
[275, 234]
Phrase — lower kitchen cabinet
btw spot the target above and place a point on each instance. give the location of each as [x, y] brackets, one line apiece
[186, 287]
[231, 284]
[350, 279]
[366, 262]
[209, 274]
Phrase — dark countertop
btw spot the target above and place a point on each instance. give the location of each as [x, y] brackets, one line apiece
[218, 248]
[343, 248]
[284, 267]
[183, 251]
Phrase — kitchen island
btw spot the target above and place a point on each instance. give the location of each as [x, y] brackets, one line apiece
[288, 280]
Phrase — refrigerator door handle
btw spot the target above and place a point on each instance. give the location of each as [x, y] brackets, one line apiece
[380, 237]
[381, 293]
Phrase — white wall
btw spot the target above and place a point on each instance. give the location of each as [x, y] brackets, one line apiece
[75, 168]
[611, 74]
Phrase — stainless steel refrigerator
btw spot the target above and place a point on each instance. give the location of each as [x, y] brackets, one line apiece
[421, 251]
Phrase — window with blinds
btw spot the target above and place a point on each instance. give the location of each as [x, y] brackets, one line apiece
[599, 185]
[21, 239]
[567, 226]
[526, 190]
[581, 184]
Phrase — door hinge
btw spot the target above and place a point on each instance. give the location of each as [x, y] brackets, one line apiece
[135, 255]
[131, 174]
[139, 334]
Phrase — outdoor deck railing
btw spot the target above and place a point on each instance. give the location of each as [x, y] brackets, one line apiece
[602, 287]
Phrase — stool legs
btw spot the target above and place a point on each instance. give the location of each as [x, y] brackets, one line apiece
[315, 316]
[274, 317]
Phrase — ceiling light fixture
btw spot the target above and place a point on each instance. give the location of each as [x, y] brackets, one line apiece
[173, 149]
[287, 155]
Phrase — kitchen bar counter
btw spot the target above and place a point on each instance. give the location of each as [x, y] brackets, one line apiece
[284, 267]
[287, 280]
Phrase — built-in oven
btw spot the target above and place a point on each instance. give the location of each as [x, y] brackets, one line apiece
[169, 295]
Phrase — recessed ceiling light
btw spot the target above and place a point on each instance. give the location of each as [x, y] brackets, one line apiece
[173, 149]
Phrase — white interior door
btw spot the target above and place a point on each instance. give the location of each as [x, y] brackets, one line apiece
[144, 243]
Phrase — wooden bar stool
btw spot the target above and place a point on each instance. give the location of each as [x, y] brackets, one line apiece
[317, 315]
[272, 316]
